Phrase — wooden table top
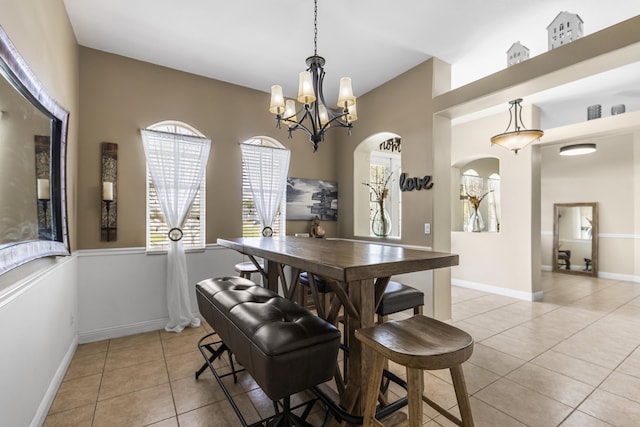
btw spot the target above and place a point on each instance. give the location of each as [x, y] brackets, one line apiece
[342, 260]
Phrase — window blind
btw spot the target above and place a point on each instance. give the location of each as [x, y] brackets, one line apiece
[264, 179]
[181, 173]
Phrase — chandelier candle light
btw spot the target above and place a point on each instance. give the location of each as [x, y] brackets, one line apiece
[316, 118]
[519, 137]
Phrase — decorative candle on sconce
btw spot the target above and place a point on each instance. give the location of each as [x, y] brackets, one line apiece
[44, 192]
[109, 179]
[107, 191]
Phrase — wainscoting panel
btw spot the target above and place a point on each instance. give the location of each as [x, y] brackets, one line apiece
[38, 325]
[123, 291]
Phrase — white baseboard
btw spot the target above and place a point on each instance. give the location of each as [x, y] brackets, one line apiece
[124, 330]
[621, 277]
[527, 296]
[606, 275]
[50, 395]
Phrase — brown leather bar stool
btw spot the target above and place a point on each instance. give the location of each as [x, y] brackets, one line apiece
[419, 343]
[324, 290]
[245, 269]
[398, 297]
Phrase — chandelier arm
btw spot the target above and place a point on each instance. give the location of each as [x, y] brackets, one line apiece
[519, 113]
[337, 119]
[511, 115]
[300, 125]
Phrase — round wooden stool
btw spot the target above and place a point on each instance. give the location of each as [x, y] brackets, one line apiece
[245, 269]
[418, 343]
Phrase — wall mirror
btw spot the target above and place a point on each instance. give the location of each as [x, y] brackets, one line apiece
[33, 129]
[575, 238]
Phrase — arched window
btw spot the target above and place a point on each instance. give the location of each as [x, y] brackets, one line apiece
[473, 185]
[479, 189]
[250, 222]
[194, 227]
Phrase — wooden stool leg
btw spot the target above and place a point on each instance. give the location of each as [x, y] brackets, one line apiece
[460, 388]
[415, 382]
[371, 393]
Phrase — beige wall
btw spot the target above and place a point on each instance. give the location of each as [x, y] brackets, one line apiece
[119, 96]
[378, 112]
[605, 177]
[508, 259]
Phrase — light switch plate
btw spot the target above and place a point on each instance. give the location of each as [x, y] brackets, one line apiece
[427, 228]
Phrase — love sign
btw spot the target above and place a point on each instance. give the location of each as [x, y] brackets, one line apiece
[410, 184]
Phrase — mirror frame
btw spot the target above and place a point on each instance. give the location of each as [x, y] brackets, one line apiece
[594, 238]
[20, 76]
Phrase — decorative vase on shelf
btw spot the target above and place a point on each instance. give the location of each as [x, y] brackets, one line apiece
[476, 223]
[381, 222]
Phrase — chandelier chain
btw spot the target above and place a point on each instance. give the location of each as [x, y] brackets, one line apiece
[315, 28]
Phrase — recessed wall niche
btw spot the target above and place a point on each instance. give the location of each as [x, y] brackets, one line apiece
[376, 167]
[476, 183]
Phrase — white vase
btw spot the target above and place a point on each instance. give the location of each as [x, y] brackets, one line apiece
[475, 223]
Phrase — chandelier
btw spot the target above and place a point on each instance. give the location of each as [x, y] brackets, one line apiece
[519, 137]
[315, 117]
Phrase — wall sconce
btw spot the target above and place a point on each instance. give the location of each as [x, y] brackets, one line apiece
[44, 195]
[109, 179]
[43, 172]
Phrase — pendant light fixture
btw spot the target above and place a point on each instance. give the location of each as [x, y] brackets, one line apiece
[315, 117]
[519, 137]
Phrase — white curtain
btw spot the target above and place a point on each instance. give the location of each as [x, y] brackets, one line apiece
[494, 185]
[176, 164]
[266, 169]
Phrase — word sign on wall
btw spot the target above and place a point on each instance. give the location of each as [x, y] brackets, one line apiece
[393, 144]
[410, 184]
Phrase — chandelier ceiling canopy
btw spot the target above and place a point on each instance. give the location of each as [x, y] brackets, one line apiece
[519, 137]
[315, 117]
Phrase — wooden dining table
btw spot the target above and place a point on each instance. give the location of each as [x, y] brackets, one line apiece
[358, 272]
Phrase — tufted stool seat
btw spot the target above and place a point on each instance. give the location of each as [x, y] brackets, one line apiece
[245, 269]
[418, 343]
[284, 346]
[323, 286]
[398, 297]
[322, 300]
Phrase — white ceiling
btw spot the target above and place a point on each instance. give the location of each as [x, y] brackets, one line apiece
[257, 43]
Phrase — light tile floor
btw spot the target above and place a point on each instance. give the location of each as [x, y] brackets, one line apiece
[572, 359]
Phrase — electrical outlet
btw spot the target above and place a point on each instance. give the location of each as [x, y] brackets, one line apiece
[427, 228]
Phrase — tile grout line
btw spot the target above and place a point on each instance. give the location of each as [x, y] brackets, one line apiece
[529, 361]
[598, 387]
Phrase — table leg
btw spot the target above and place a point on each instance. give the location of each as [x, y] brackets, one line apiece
[273, 273]
[362, 295]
